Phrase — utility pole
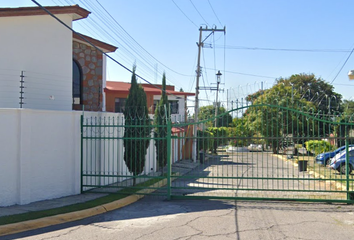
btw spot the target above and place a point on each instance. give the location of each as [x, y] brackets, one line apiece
[200, 44]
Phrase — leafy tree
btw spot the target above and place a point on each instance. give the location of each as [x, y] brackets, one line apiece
[347, 117]
[220, 135]
[240, 132]
[162, 115]
[137, 128]
[208, 112]
[278, 124]
[302, 92]
[348, 109]
[315, 90]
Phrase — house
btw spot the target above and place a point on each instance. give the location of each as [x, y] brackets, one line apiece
[117, 93]
[43, 65]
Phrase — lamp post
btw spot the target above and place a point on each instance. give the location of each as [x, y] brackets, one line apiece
[351, 75]
[218, 75]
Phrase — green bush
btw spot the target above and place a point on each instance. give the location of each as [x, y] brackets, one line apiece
[220, 136]
[318, 146]
[205, 140]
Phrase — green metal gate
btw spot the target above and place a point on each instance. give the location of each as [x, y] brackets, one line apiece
[265, 157]
[262, 156]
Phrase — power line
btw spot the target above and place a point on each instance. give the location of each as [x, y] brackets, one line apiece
[214, 12]
[138, 43]
[345, 62]
[184, 14]
[282, 49]
[199, 13]
[246, 74]
[98, 49]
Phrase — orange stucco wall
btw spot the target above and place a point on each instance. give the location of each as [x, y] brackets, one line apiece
[111, 96]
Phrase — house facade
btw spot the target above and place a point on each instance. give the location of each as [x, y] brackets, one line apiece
[117, 93]
[43, 65]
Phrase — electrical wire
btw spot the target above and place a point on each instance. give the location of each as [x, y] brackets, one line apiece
[98, 49]
[246, 74]
[282, 49]
[138, 43]
[214, 12]
[185, 14]
[199, 13]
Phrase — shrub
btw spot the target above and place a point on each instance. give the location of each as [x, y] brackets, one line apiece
[318, 146]
[220, 136]
[205, 140]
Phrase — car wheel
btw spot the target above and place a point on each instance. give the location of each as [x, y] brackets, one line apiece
[327, 162]
[342, 169]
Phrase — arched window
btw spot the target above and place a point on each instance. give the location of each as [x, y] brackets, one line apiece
[77, 84]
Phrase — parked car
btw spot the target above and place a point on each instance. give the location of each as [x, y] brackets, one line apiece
[255, 147]
[325, 158]
[338, 161]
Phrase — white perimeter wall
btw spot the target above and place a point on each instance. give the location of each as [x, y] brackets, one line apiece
[40, 155]
[42, 48]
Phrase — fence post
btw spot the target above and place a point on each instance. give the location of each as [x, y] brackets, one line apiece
[169, 164]
[82, 153]
[347, 161]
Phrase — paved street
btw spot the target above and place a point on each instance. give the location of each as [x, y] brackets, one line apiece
[154, 218]
[253, 175]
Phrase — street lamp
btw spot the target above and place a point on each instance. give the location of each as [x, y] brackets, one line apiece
[351, 75]
[218, 75]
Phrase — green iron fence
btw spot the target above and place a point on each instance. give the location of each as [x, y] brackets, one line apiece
[119, 158]
[256, 152]
[262, 154]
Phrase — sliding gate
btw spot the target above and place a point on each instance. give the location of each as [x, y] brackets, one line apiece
[257, 152]
[262, 155]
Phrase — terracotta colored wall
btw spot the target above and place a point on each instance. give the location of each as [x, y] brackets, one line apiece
[111, 96]
[91, 64]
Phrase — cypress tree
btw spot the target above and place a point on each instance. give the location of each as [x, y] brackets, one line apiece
[162, 115]
[137, 128]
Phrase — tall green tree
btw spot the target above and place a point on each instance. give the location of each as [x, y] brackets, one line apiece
[302, 92]
[208, 112]
[162, 115]
[137, 128]
[278, 121]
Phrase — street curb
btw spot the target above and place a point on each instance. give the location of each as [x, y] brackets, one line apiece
[336, 185]
[77, 215]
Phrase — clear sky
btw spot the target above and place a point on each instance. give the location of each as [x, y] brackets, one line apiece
[161, 35]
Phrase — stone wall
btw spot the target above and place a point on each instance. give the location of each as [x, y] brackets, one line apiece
[90, 61]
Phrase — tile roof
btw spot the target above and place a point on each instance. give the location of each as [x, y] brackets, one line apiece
[123, 87]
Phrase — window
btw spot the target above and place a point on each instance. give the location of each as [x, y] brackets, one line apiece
[77, 83]
[173, 106]
[119, 105]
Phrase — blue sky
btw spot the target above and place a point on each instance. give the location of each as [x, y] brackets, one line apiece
[156, 35]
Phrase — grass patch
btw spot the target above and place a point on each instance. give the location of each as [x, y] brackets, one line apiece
[78, 206]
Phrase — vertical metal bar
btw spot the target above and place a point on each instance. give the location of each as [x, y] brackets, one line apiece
[347, 161]
[81, 153]
[168, 138]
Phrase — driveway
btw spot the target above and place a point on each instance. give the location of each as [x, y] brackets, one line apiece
[253, 175]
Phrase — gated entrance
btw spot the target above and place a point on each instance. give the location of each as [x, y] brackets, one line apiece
[257, 152]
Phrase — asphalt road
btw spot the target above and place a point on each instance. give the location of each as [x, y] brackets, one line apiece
[156, 218]
[252, 175]
[153, 218]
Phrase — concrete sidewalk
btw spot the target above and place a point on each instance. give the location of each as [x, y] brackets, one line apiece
[182, 167]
